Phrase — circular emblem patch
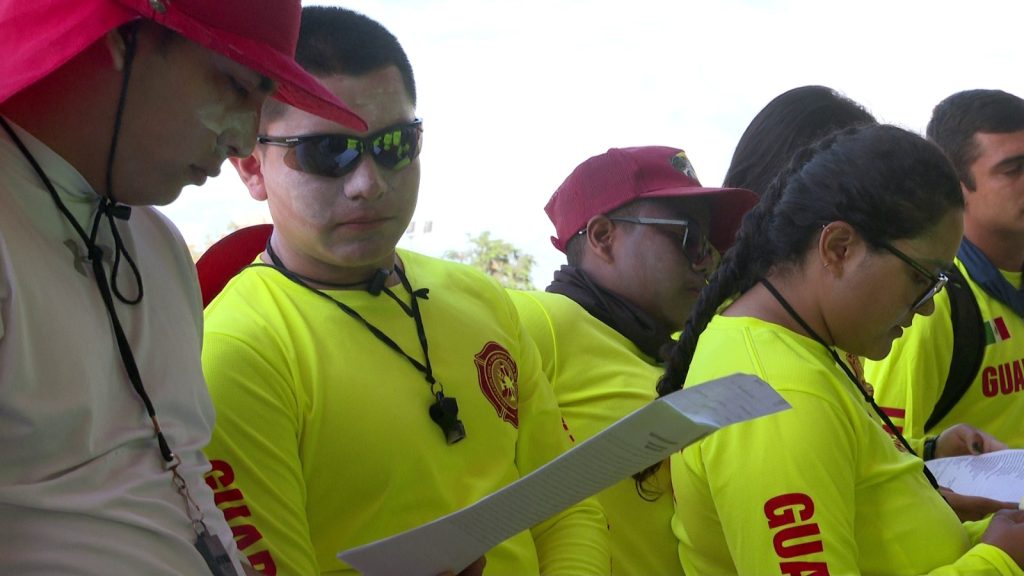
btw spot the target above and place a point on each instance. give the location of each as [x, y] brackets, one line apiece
[499, 381]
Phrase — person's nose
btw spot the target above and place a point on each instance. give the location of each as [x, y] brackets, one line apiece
[706, 264]
[238, 138]
[366, 181]
[701, 265]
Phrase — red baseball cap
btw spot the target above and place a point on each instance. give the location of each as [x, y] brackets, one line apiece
[621, 175]
[228, 256]
[39, 36]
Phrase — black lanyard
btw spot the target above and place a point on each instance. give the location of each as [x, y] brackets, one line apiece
[95, 255]
[445, 410]
[853, 378]
[208, 545]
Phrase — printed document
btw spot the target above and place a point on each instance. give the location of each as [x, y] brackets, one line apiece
[648, 435]
[997, 475]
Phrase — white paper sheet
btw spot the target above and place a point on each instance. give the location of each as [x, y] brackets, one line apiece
[997, 475]
[640, 439]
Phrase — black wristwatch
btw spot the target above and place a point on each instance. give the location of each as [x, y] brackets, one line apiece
[929, 447]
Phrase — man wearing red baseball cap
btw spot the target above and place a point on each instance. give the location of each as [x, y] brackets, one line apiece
[108, 107]
[641, 235]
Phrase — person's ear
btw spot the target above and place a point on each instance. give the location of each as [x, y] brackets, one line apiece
[836, 246]
[250, 170]
[966, 191]
[114, 41]
[601, 233]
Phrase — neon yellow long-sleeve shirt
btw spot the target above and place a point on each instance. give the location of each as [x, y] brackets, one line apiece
[818, 489]
[323, 440]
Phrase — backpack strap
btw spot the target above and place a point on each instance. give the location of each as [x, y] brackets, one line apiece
[968, 345]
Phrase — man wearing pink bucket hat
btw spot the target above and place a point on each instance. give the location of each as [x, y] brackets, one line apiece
[108, 107]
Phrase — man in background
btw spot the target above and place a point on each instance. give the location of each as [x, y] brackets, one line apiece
[930, 381]
[640, 235]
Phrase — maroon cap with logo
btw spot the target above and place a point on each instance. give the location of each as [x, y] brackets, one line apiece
[608, 181]
[39, 36]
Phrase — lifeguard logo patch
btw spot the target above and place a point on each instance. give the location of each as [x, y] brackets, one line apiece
[499, 381]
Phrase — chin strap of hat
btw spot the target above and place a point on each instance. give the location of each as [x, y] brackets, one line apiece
[109, 207]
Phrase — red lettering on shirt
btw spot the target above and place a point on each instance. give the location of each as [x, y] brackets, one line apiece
[1006, 378]
[791, 514]
[220, 475]
[784, 541]
[262, 562]
[246, 535]
[989, 385]
[232, 512]
[804, 568]
[780, 510]
[221, 479]
[226, 495]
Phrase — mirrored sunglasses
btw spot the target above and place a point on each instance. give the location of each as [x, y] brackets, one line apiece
[335, 155]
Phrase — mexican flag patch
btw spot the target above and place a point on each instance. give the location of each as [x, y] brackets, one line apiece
[996, 331]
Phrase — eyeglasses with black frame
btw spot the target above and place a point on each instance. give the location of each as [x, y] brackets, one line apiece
[938, 281]
[335, 155]
[695, 245]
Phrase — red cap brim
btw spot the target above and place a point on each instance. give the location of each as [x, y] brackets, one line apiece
[295, 86]
[42, 35]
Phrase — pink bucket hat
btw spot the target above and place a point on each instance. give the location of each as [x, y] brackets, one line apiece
[39, 36]
[621, 175]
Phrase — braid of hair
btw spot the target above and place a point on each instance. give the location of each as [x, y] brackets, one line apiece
[723, 284]
[749, 259]
[756, 250]
[738, 271]
[772, 233]
[740, 268]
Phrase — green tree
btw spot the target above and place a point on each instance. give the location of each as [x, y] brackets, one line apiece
[509, 265]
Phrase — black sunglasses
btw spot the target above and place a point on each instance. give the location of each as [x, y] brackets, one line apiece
[334, 155]
[695, 245]
[937, 281]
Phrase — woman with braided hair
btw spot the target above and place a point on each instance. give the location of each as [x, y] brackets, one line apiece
[788, 123]
[848, 244]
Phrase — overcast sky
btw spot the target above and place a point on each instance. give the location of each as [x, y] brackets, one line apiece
[515, 94]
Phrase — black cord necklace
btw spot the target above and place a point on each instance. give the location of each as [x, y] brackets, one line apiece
[208, 545]
[374, 286]
[445, 410]
[107, 209]
[95, 255]
[849, 374]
